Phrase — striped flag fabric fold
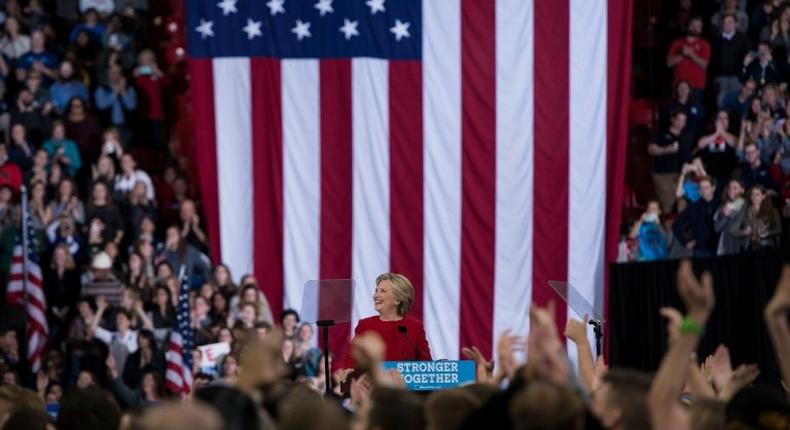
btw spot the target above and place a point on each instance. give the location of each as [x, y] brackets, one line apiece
[178, 376]
[25, 288]
[471, 145]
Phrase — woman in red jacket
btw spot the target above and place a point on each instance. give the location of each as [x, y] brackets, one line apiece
[404, 337]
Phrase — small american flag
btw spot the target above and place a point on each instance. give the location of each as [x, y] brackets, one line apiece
[33, 299]
[179, 354]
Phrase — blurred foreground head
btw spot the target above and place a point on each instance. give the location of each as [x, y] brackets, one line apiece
[13, 397]
[88, 409]
[758, 408]
[545, 405]
[394, 409]
[235, 408]
[620, 400]
[179, 416]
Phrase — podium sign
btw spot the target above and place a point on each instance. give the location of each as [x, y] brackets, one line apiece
[434, 375]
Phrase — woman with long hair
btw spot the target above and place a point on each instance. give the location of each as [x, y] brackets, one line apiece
[222, 278]
[759, 225]
[68, 203]
[40, 212]
[14, 43]
[103, 170]
[61, 288]
[250, 293]
[163, 312]
[732, 203]
[136, 276]
[148, 357]
[101, 206]
[180, 253]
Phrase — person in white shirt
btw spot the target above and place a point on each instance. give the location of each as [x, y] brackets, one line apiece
[123, 341]
[130, 175]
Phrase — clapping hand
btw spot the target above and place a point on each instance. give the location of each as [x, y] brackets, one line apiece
[484, 368]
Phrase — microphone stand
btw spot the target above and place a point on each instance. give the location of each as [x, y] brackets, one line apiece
[325, 324]
[598, 330]
[417, 350]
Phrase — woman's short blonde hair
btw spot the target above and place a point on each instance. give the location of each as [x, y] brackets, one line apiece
[401, 289]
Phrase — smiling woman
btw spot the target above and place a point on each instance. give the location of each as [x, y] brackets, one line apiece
[404, 337]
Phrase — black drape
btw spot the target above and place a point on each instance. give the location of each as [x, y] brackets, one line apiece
[743, 285]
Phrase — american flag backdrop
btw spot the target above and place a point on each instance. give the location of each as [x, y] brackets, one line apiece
[34, 301]
[178, 376]
[476, 146]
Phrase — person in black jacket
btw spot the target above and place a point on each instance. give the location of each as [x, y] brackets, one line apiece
[729, 49]
[761, 67]
[147, 358]
[693, 227]
[62, 290]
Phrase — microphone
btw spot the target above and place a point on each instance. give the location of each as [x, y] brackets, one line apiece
[417, 350]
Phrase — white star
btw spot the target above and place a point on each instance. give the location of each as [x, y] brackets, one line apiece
[276, 6]
[400, 30]
[349, 28]
[301, 30]
[253, 28]
[227, 6]
[324, 6]
[375, 6]
[205, 28]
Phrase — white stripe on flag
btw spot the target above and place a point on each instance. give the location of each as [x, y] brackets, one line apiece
[301, 176]
[234, 161]
[442, 167]
[587, 193]
[370, 177]
[514, 166]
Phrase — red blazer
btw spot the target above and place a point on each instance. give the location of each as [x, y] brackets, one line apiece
[411, 345]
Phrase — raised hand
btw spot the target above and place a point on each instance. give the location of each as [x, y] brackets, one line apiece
[368, 350]
[744, 375]
[720, 367]
[101, 302]
[697, 294]
[360, 390]
[674, 319]
[506, 346]
[599, 371]
[576, 330]
[483, 367]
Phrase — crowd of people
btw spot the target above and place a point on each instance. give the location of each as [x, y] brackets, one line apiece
[81, 94]
[721, 153]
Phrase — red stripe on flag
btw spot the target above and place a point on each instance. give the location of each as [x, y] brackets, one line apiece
[617, 87]
[406, 175]
[336, 182]
[202, 101]
[478, 172]
[267, 185]
[550, 241]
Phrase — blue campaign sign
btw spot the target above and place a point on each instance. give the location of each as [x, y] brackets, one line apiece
[434, 375]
